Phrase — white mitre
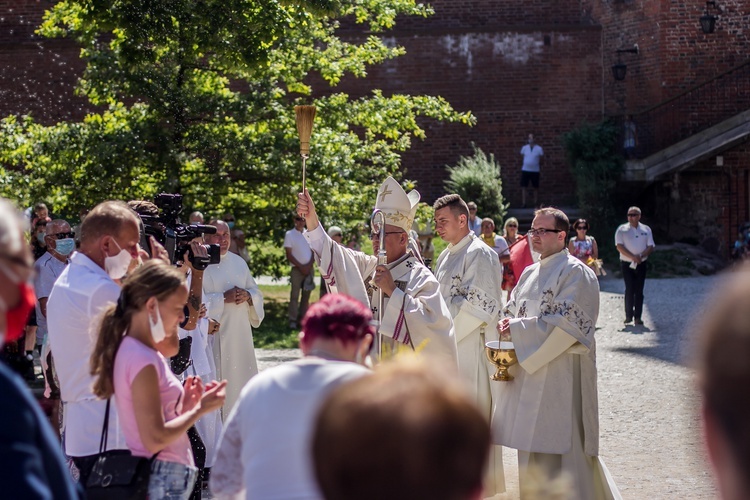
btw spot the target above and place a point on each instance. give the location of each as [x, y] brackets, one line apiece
[399, 208]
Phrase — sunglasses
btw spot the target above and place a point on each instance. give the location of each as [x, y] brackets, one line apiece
[634, 215]
[581, 227]
[62, 236]
[511, 225]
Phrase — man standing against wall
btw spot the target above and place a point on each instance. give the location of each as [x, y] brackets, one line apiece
[532, 154]
[635, 243]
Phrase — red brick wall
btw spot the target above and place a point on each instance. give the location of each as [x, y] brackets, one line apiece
[674, 55]
[706, 203]
[515, 83]
[37, 76]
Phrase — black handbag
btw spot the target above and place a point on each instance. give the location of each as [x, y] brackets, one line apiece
[181, 361]
[117, 474]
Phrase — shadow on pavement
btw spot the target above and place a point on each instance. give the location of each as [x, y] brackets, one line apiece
[670, 306]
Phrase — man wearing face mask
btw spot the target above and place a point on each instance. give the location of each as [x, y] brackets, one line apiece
[60, 244]
[109, 242]
[31, 465]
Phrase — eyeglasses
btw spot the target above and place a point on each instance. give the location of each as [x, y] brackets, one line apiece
[634, 215]
[542, 231]
[62, 236]
[375, 236]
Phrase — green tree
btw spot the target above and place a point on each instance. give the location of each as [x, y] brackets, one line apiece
[197, 96]
[477, 178]
[594, 159]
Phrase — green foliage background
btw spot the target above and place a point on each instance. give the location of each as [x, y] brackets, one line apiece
[477, 178]
[595, 160]
[197, 96]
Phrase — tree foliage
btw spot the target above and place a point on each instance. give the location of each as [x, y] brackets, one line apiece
[197, 96]
[477, 178]
[594, 159]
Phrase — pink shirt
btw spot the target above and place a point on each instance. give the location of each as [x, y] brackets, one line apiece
[131, 358]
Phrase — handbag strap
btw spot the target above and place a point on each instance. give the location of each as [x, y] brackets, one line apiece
[105, 429]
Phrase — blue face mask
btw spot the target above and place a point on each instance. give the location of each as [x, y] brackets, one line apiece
[230, 224]
[65, 246]
[40, 238]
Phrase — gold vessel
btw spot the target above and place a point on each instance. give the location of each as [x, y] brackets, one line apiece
[503, 356]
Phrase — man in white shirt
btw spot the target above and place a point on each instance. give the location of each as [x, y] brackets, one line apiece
[109, 242]
[300, 256]
[635, 242]
[265, 447]
[470, 277]
[532, 154]
[60, 244]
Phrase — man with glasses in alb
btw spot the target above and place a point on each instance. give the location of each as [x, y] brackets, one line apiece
[550, 413]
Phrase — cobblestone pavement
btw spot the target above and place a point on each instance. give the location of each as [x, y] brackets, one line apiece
[650, 435]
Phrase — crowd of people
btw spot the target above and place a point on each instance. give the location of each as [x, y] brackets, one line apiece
[151, 357]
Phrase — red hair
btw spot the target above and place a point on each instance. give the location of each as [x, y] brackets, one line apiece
[337, 316]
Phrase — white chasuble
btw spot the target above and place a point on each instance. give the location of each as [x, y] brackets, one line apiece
[470, 278]
[415, 315]
[234, 353]
[554, 308]
[551, 408]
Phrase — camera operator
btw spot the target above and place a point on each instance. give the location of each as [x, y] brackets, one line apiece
[195, 355]
[109, 243]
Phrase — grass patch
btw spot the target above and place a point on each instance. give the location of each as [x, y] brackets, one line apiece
[274, 332]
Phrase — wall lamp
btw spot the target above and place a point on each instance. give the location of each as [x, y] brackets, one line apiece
[708, 21]
[620, 69]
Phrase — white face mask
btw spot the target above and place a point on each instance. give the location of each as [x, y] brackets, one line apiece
[117, 265]
[157, 327]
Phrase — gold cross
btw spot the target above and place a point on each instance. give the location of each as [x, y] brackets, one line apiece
[383, 193]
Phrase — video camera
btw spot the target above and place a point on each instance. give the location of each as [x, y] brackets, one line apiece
[175, 236]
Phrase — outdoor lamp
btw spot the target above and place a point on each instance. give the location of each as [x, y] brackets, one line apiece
[708, 21]
[620, 69]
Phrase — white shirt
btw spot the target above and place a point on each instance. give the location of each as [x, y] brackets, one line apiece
[300, 247]
[531, 156]
[635, 239]
[78, 298]
[46, 271]
[265, 448]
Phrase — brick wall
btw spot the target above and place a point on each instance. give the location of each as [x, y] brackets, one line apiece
[674, 55]
[37, 76]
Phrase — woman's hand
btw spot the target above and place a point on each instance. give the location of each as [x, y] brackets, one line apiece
[193, 393]
[214, 396]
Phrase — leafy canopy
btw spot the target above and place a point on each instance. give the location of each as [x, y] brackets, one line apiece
[477, 178]
[197, 96]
